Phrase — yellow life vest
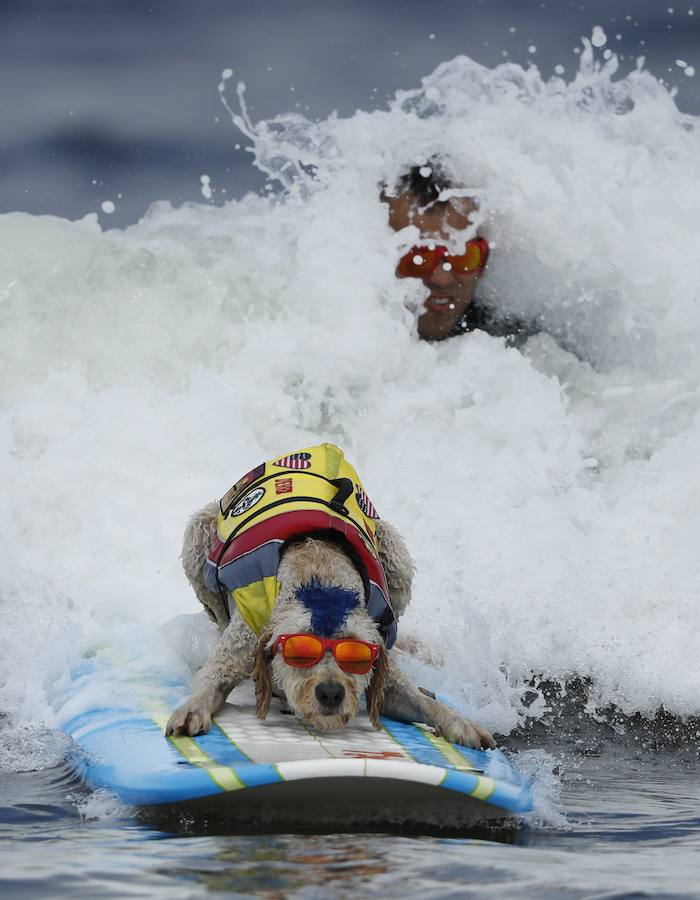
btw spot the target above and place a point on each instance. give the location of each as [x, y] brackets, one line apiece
[309, 491]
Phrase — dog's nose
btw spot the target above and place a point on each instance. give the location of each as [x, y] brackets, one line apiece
[330, 694]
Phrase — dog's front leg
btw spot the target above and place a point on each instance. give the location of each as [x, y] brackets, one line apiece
[406, 703]
[229, 663]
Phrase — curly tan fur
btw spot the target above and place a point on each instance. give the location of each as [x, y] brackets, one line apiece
[262, 676]
[199, 536]
[398, 565]
[305, 701]
[375, 691]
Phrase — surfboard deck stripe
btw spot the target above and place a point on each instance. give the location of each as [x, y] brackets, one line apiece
[223, 776]
[447, 751]
[424, 747]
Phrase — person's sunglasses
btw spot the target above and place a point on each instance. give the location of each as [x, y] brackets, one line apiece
[420, 262]
[305, 650]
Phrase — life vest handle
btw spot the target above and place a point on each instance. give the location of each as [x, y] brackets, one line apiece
[345, 489]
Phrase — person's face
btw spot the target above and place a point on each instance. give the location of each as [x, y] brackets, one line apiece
[450, 293]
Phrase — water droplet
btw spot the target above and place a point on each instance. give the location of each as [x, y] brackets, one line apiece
[206, 187]
[598, 37]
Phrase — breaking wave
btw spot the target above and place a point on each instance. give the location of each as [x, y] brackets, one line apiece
[549, 495]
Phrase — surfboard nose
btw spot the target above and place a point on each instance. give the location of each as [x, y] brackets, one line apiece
[330, 694]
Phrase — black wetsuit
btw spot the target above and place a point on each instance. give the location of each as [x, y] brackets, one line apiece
[484, 318]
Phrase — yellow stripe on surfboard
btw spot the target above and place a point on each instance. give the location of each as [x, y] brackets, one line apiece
[454, 757]
[485, 786]
[223, 776]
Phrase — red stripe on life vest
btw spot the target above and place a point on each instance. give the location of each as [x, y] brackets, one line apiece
[290, 524]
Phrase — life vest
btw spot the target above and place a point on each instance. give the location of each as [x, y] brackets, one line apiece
[308, 491]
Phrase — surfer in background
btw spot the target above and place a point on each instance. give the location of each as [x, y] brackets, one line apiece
[451, 307]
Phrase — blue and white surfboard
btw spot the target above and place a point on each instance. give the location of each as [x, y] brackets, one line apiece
[277, 774]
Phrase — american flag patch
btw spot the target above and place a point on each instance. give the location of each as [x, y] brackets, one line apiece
[365, 503]
[294, 461]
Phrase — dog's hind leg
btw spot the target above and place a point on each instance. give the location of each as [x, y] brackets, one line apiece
[196, 544]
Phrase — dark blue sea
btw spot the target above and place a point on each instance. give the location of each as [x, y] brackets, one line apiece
[628, 825]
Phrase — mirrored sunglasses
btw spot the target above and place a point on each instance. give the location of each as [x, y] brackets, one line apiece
[420, 262]
[305, 650]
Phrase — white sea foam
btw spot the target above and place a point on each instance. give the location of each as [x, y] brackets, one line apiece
[31, 749]
[101, 805]
[550, 499]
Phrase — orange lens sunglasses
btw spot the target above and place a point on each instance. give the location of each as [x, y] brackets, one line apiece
[420, 262]
[305, 650]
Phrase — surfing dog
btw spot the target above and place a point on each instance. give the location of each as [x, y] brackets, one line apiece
[324, 640]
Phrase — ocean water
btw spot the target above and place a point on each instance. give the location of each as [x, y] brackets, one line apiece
[550, 495]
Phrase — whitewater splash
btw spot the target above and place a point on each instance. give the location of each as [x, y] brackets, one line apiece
[550, 496]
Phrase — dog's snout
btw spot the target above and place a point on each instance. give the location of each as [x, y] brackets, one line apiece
[330, 694]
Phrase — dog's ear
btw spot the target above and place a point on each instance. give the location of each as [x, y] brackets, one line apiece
[375, 689]
[262, 676]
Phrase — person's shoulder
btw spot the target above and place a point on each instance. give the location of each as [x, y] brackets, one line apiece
[485, 318]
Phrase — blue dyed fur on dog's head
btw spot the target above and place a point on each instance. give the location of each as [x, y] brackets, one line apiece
[329, 606]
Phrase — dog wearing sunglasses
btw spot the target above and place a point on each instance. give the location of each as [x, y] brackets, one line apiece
[305, 583]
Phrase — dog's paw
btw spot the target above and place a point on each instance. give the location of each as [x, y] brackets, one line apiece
[458, 730]
[189, 719]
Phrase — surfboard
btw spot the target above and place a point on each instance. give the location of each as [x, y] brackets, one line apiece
[276, 774]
